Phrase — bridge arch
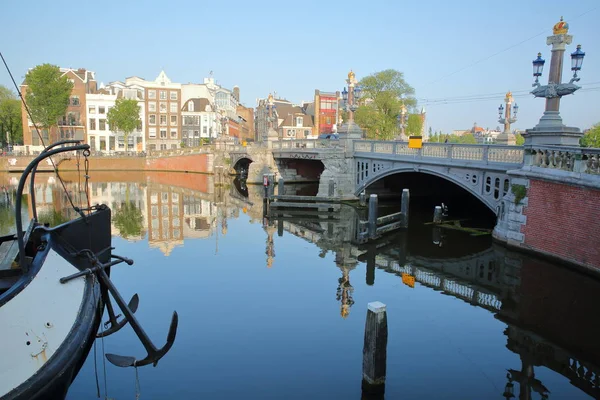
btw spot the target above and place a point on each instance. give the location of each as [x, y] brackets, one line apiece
[241, 164]
[468, 185]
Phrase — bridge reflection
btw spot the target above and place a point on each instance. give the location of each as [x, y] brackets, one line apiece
[549, 310]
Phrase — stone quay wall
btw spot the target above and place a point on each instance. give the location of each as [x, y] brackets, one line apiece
[556, 218]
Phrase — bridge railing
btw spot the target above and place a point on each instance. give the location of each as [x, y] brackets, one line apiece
[305, 144]
[567, 158]
[450, 151]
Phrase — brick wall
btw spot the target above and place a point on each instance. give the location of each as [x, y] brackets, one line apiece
[562, 220]
[105, 164]
[189, 163]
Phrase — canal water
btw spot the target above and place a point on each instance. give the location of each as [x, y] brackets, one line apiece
[274, 307]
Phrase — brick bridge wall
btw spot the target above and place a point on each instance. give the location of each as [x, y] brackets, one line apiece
[562, 220]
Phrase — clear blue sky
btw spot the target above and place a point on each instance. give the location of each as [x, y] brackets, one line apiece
[446, 49]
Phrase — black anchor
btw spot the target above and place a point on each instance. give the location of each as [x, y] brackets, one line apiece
[154, 354]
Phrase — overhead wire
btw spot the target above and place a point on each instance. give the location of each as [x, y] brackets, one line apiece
[502, 51]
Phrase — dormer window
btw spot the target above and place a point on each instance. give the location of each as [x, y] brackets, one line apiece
[299, 121]
[190, 106]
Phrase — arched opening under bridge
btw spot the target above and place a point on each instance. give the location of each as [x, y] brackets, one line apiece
[428, 190]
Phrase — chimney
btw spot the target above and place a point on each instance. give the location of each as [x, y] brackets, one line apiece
[236, 93]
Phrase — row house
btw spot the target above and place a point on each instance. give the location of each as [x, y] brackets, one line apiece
[215, 107]
[199, 122]
[72, 124]
[295, 124]
[100, 136]
[267, 115]
[326, 108]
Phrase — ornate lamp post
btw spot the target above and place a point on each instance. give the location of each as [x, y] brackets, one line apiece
[504, 117]
[349, 129]
[402, 119]
[550, 129]
[271, 131]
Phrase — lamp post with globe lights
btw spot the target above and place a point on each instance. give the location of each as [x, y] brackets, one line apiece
[505, 117]
[550, 129]
[349, 130]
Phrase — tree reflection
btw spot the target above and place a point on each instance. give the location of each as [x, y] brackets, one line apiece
[52, 218]
[7, 219]
[128, 219]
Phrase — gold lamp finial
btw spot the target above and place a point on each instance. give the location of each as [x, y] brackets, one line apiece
[351, 75]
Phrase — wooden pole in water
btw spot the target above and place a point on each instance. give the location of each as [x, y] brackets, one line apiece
[404, 206]
[375, 349]
[437, 215]
[373, 216]
[363, 198]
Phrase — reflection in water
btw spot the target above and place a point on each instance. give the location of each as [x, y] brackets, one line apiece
[547, 311]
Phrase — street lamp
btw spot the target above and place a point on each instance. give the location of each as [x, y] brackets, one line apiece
[550, 129]
[351, 96]
[504, 117]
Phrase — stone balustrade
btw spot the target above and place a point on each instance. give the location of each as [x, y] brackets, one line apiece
[566, 158]
[451, 151]
[305, 144]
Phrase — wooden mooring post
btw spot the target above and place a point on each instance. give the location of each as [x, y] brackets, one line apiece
[373, 216]
[375, 350]
[437, 215]
[404, 206]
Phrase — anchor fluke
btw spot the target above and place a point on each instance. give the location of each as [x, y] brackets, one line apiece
[154, 355]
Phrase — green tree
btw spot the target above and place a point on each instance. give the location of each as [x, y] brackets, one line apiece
[591, 137]
[11, 126]
[48, 94]
[467, 139]
[520, 140]
[128, 219]
[383, 94]
[125, 117]
[414, 125]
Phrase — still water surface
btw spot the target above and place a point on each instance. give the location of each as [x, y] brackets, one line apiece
[275, 309]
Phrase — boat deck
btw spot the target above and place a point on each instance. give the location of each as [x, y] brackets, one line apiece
[9, 268]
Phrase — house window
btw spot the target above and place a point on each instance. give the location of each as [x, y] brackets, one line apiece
[196, 134]
[101, 110]
[152, 106]
[102, 143]
[102, 124]
[151, 94]
[163, 133]
[306, 132]
[299, 121]
[163, 119]
[93, 143]
[163, 146]
[204, 129]
[75, 100]
[163, 94]
[173, 95]
[173, 119]
[163, 107]
[291, 132]
[152, 147]
[92, 124]
[152, 119]
[173, 107]
[92, 110]
[173, 133]
[152, 132]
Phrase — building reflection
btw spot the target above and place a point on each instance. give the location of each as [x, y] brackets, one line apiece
[549, 311]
